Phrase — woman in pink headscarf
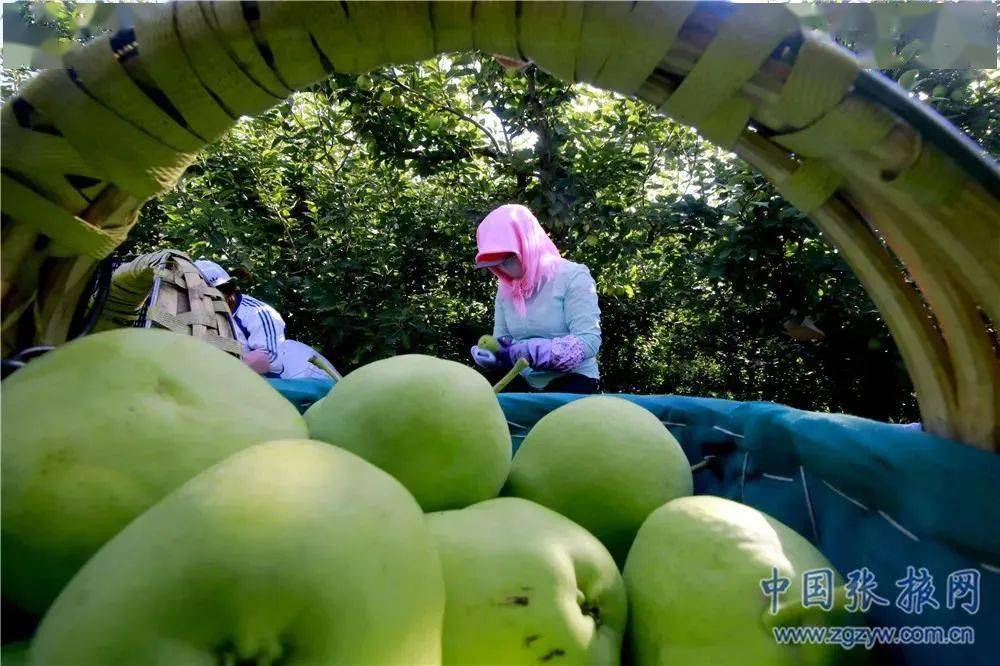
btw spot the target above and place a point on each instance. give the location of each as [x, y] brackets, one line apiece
[546, 308]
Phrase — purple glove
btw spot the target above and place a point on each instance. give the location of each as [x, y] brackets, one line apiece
[484, 358]
[558, 354]
[499, 359]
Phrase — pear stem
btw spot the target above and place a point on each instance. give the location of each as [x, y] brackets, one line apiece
[509, 377]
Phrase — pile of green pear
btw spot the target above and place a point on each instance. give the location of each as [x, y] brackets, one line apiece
[162, 504]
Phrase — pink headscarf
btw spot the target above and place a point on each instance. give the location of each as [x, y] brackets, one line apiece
[512, 228]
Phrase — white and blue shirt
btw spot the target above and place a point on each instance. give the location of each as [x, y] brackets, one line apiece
[259, 326]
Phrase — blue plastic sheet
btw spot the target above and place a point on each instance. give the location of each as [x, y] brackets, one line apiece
[867, 494]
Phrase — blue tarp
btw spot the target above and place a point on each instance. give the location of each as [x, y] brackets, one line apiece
[867, 494]
[302, 392]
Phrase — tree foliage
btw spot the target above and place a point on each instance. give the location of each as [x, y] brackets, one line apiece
[352, 208]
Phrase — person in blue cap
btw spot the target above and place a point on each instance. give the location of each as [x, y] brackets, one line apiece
[259, 327]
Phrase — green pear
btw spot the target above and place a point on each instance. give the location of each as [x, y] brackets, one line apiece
[290, 552]
[605, 463]
[435, 425]
[97, 431]
[489, 343]
[694, 583]
[525, 585]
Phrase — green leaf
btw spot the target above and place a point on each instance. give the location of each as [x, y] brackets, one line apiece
[909, 79]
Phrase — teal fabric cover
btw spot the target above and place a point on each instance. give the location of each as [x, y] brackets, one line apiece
[302, 392]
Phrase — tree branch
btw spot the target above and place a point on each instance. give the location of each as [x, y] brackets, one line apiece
[324, 141]
[456, 112]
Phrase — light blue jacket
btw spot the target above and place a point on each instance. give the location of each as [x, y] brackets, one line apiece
[564, 305]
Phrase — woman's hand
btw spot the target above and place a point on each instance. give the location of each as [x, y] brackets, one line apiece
[556, 354]
[493, 353]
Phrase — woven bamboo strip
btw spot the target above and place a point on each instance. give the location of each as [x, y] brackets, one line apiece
[976, 376]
